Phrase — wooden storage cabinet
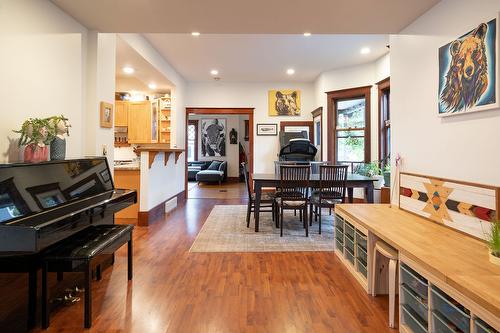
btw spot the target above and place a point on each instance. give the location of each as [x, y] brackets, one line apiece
[351, 248]
[428, 305]
[165, 127]
[139, 122]
[121, 113]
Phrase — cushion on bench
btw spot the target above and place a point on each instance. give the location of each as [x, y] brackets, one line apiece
[89, 242]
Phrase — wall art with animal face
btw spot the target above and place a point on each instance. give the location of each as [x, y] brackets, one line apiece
[284, 102]
[213, 137]
[468, 71]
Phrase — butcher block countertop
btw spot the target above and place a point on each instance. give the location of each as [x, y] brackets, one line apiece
[458, 260]
[154, 148]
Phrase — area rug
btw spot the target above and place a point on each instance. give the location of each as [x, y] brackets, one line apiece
[225, 230]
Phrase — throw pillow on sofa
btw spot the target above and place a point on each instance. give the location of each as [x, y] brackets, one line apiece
[214, 165]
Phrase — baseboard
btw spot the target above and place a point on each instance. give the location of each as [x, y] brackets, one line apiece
[158, 212]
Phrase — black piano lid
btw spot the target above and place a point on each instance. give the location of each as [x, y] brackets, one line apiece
[31, 190]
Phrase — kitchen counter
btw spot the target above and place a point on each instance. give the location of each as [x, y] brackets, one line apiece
[129, 167]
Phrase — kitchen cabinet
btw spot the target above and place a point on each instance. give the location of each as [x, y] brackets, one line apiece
[139, 122]
[121, 113]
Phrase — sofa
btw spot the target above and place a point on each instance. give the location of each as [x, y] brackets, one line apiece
[195, 167]
[215, 173]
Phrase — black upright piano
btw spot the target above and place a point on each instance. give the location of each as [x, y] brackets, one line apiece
[42, 204]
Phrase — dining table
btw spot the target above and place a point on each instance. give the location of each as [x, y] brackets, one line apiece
[353, 181]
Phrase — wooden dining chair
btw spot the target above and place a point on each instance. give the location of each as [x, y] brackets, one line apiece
[267, 200]
[332, 188]
[294, 191]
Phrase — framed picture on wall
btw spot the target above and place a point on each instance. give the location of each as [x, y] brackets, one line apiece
[267, 129]
[213, 137]
[284, 102]
[469, 71]
[106, 115]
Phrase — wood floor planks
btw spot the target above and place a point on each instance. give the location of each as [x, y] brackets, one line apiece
[177, 291]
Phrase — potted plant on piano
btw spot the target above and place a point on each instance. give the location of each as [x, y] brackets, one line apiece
[35, 136]
[494, 242]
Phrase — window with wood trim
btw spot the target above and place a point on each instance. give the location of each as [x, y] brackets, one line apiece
[384, 92]
[349, 125]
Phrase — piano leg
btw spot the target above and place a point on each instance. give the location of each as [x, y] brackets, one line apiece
[45, 297]
[129, 253]
[88, 298]
[32, 293]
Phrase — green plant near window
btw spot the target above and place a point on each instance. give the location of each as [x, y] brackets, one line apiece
[373, 169]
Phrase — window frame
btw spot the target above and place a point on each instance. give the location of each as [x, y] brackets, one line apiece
[383, 86]
[196, 138]
[333, 97]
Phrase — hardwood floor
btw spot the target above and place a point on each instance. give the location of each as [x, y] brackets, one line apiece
[177, 291]
[216, 191]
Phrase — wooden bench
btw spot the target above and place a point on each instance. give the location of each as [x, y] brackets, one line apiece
[79, 253]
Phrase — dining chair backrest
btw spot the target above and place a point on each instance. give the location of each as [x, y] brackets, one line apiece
[332, 182]
[247, 181]
[294, 181]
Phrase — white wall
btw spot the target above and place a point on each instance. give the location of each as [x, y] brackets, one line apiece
[353, 77]
[253, 95]
[162, 182]
[232, 151]
[462, 147]
[41, 70]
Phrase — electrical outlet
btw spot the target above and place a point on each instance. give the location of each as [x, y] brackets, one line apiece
[104, 150]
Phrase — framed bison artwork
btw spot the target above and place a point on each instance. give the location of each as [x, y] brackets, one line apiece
[468, 71]
[284, 102]
[213, 137]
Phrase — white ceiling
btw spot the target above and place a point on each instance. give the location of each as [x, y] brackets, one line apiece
[144, 72]
[265, 58]
[247, 17]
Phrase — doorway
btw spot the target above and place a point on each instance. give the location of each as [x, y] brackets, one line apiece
[244, 135]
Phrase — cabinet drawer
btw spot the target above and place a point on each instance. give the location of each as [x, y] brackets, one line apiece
[339, 245]
[441, 325]
[411, 320]
[362, 268]
[339, 223]
[361, 254]
[450, 310]
[349, 255]
[481, 327]
[349, 244]
[411, 299]
[349, 230]
[339, 235]
[414, 281]
[361, 240]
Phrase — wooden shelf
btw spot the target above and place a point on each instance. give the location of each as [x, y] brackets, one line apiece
[155, 149]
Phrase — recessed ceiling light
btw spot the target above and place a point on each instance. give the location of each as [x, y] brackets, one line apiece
[307, 34]
[195, 33]
[152, 85]
[214, 72]
[365, 50]
[128, 70]
[290, 71]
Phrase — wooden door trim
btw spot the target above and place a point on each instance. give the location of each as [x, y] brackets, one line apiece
[364, 91]
[224, 111]
[318, 112]
[381, 85]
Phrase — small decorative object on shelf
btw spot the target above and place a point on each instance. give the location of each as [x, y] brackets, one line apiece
[494, 242]
[59, 126]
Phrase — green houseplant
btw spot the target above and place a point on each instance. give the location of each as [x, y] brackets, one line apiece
[494, 243]
[387, 174]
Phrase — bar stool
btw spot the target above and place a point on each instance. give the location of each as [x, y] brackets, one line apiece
[391, 254]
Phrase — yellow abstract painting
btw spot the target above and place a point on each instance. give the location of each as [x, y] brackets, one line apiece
[284, 102]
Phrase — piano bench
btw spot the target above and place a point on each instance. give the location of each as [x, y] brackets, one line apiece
[79, 253]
